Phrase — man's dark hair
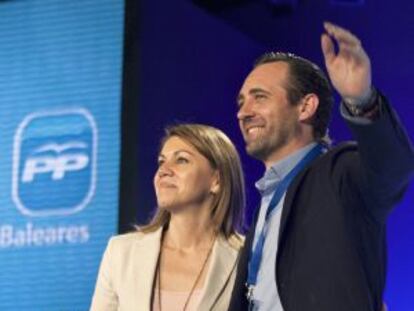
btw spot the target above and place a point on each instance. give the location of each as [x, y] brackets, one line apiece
[304, 78]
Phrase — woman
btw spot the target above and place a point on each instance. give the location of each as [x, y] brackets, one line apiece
[185, 258]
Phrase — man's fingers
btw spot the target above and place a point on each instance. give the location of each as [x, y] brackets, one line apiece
[348, 44]
[356, 54]
[341, 35]
[328, 48]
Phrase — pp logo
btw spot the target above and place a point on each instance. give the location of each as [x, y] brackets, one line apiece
[54, 162]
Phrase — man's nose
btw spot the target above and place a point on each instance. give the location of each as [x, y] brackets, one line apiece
[245, 110]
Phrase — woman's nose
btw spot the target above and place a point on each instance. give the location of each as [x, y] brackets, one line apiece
[164, 170]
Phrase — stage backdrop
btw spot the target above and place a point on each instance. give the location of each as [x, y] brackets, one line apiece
[60, 85]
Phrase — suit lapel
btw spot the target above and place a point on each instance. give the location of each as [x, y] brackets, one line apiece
[224, 259]
[291, 195]
[145, 256]
[287, 205]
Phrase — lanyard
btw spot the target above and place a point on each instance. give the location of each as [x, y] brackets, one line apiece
[257, 252]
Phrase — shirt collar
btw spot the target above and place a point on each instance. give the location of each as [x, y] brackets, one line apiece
[280, 169]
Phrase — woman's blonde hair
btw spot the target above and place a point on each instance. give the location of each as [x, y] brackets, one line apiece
[227, 209]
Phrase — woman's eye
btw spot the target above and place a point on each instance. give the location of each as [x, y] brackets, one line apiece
[160, 162]
[182, 160]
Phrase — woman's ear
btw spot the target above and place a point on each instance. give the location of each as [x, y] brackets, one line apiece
[215, 185]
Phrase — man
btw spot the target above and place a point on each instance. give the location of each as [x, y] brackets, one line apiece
[318, 242]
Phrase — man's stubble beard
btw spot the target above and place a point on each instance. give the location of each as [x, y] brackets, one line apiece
[263, 148]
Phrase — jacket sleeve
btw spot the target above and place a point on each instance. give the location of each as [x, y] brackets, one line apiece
[387, 159]
[105, 297]
[238, 301]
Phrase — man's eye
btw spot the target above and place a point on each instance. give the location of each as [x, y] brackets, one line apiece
[160, 162]
[259, 96]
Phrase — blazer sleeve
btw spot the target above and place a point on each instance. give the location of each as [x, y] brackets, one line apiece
[386, 160]
[238, 301]
[105, 297]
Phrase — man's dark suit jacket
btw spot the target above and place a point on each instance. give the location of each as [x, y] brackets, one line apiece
[332, 254]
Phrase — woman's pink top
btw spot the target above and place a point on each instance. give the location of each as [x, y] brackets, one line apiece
[174, 301]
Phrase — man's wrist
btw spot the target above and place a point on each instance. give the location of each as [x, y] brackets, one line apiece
[365, 107]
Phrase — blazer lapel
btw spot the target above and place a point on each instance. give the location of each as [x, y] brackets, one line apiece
[287, 205]
[290, 196]
[145, 256]
[224, 260]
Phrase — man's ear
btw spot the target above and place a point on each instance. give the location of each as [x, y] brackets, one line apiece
[308, 106]
[215, 185]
